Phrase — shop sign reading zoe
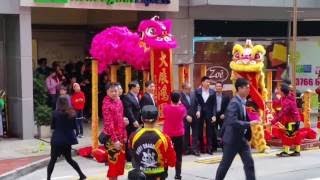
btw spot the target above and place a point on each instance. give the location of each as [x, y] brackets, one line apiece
[108, 2]
[217, 73]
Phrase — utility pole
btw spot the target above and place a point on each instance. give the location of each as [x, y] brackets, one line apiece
[294, 46]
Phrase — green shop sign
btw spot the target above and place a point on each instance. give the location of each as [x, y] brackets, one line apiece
[108, 2]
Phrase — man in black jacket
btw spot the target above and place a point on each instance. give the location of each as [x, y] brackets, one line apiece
[148, 96]
[236, 133]
[132, 110]
[132, 107]
[222, 103]
[206, 100]
[188, 100]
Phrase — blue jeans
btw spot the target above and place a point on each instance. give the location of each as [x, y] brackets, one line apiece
[79, 119]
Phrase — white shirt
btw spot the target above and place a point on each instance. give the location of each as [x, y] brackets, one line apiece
[205, 94]
[151, 95]
[136, 97]
[219, 102]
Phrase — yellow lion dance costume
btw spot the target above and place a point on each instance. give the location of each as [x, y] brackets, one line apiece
[247, 62]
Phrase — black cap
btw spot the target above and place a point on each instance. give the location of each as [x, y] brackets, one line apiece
[149, 113]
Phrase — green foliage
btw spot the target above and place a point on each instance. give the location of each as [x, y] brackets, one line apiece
[42, 112]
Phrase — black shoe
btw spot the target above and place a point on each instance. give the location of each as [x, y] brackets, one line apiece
[295, 154]
[283, 154]
[196, 153]
[83, 177]
[214, 150]
[210, 152]
[177, 177]
[187, 152]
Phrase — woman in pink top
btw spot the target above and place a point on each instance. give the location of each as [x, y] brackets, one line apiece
[173, 126]
[52, 83]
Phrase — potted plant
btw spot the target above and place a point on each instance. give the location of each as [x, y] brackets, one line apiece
[42, 112]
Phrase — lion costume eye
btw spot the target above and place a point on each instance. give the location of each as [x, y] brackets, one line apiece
[151, 32]
[237, 56]
[257, 56]
[167, 38]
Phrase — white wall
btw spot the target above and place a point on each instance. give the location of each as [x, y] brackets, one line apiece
[183, 31]
[61, 46]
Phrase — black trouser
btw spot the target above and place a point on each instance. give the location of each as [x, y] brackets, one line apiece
[194, 125]
[52, 100]
[65, 150]
[219, 121]
[79, 122]
[211, 135]
[229, 152]
[218, 126]
[178, 148]
[130, 129]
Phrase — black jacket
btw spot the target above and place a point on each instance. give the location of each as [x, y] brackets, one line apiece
[236, 128]
[131, 108]
[63, 128]
[146, 100]
[208, 108]
[224, 104]
[190, 106]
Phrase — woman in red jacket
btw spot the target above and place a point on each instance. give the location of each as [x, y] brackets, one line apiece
[78, 101]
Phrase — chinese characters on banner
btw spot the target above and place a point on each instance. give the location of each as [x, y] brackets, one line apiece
[161, 71]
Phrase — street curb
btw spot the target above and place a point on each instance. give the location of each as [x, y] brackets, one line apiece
[21, 171]
[24, 170]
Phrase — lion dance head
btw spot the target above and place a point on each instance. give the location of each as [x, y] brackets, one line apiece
[247, 58]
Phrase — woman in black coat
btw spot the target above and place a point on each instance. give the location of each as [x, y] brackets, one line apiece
[63, 136]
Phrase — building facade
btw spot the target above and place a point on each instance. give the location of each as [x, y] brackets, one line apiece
[61, 32]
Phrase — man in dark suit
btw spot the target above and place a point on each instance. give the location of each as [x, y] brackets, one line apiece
[222, 103]
[132, 110]
[132, 107]
[148, 96]
[236, 133]
[206, 100]
[188, 100]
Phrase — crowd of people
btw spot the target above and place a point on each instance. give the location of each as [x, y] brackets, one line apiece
[195, 122]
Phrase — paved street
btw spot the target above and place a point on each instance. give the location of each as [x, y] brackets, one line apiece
[268, 167]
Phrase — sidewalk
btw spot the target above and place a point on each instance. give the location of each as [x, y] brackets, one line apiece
[19, 157]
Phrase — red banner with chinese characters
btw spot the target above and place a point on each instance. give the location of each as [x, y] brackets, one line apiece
[161, 73]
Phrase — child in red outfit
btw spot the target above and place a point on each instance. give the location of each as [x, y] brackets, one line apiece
[78, 101]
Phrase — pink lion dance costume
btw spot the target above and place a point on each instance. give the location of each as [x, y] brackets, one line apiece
[120, 45]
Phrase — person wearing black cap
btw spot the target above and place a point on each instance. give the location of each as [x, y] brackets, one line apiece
[151, 150]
